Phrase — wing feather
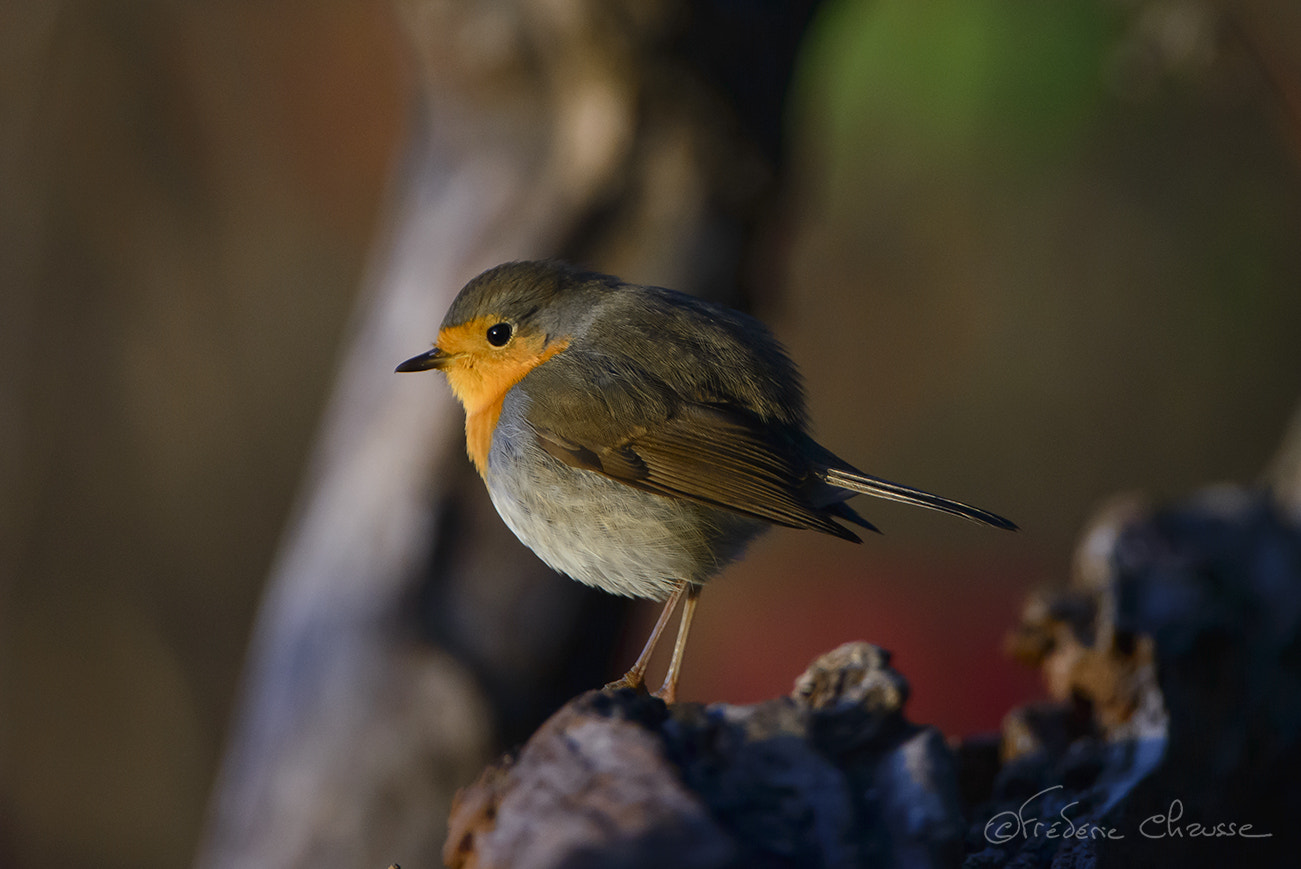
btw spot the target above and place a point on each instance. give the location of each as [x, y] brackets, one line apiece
[714, 455]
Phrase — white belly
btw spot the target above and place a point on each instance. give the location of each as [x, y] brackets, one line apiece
[609, 535]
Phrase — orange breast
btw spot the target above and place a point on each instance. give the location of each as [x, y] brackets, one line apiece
[482, 375]
[478, 432]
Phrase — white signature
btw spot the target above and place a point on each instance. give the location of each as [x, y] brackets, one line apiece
[1006, 826]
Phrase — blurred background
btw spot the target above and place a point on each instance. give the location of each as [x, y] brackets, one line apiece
[1027, 255]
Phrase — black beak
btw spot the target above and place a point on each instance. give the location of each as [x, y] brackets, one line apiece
[433, 359]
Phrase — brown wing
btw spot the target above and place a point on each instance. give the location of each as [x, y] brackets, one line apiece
[711, 454]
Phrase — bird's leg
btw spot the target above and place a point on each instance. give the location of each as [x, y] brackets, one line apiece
[669, 690]
[636, 676]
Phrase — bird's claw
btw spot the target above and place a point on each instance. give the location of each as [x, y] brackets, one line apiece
[628, 680]
[668, 693]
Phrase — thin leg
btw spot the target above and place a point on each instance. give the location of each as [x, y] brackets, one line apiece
[669, 690]
[636, 675]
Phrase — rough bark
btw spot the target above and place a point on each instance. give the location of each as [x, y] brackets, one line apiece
[832, 775]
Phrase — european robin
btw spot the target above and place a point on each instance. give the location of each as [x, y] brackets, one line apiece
[637, 438]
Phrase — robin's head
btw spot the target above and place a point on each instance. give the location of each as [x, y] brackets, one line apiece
[505, 323]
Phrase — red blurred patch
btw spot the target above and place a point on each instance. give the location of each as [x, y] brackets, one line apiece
[944, 619]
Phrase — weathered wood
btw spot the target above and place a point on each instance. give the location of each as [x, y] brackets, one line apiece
[832, 775]
[1171, 660]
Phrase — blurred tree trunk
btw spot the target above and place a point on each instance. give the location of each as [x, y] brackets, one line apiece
[404, 632]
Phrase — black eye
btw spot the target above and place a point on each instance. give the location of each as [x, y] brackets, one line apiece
[499, 334]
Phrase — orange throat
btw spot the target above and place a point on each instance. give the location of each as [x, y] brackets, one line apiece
[481, 376]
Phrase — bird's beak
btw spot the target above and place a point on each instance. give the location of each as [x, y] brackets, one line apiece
[435, 358]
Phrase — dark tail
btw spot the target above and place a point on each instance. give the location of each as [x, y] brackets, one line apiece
[864, 484]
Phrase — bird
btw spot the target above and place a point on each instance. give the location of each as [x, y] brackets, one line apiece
[637, 438]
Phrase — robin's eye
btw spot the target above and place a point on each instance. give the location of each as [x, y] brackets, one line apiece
[499, 334]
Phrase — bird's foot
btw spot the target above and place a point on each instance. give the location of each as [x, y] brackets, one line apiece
[632, 680]
[668, 693]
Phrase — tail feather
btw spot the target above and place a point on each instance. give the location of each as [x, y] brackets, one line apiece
[841, 510]
[865, 484]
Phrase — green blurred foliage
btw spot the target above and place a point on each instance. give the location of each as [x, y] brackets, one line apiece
[955, 85]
